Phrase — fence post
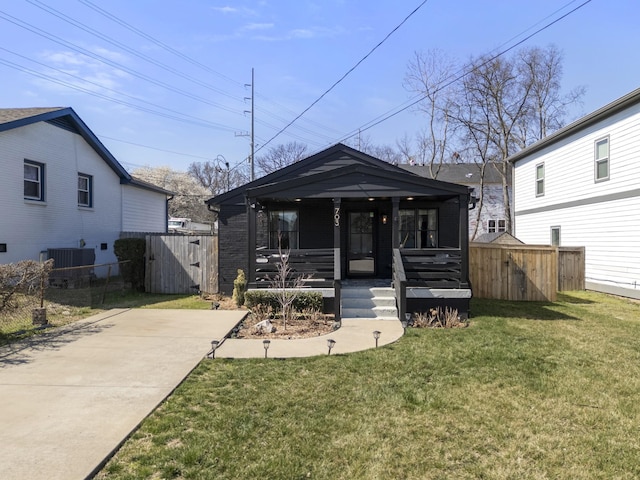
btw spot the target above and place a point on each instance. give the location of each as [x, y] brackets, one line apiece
[106, 284]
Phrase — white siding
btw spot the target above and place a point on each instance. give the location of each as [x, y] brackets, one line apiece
[584, 209]
[29, 227]
[143, 210]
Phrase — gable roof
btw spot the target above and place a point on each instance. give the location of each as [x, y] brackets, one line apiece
[332, 158]
[356, 181]
[66, 118]
[622, 103]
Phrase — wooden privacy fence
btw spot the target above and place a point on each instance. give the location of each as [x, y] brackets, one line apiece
[524, 272]
[181, 264]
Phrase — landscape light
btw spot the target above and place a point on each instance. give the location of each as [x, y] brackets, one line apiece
[330, 343]
[376, 335]
[214, 345]
[265, 344]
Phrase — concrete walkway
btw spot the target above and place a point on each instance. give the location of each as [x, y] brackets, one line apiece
[70, 397]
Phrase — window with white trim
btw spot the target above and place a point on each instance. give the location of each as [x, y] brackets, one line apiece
[33, 180]
[85, 190]
[602, 159]
[540, 180]
[555, 236]
[499, 226]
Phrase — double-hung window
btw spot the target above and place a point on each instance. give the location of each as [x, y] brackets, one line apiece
[602, 159]
[33, 180]
[85, 190]
[283, 229]
[419, 228]
[540, 180]
[497, 226]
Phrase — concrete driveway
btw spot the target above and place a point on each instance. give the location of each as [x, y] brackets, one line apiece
[70, 397]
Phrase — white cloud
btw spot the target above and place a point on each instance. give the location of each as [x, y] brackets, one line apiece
[258, 26]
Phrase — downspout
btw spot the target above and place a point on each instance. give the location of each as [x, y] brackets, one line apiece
[166, 213]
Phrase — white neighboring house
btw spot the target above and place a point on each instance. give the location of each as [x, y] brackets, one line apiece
[581, 187]
[61, 188]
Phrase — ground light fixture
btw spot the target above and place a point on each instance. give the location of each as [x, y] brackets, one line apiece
[376, 335]
[330, 343]
[265, 344]
[214, 345]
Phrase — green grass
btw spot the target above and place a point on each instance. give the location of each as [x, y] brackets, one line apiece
[65, 306]
[528, 391]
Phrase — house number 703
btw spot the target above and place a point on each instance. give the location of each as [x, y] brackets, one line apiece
[336, 216]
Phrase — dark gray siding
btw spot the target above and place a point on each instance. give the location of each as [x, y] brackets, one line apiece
[316, 226]
[449, 224]
[232, 245]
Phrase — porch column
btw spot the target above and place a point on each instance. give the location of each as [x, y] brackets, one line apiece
[337, 263]
[395, 222]
[464, 240]
[251, 240]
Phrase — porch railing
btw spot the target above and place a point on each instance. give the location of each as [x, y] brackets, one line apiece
[316, 265]
[433, 267]
[399, 283]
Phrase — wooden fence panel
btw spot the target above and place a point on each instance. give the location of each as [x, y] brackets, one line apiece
[513, 272]
[181, 264]
[571, 275]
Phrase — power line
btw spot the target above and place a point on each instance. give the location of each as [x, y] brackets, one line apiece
[116, 43]
[195, 120]
[417, 99]
[102, 59]
[345, 75]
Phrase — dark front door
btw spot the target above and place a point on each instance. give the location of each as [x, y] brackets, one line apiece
[361, 245]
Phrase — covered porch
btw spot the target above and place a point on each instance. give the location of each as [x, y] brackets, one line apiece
[357, 224]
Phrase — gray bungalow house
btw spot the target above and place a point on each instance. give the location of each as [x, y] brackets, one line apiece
[351, 221]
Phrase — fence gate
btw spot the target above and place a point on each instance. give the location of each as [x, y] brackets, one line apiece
[181, 264]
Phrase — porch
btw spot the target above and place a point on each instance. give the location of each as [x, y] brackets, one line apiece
[422, 279]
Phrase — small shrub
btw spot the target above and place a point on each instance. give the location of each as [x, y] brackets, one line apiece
[438, 318]
[131, 251]
[239, 288]
[261, 312]
[303, 301]
[314, 316]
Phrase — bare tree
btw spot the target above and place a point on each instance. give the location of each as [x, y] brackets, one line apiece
[502, 104]
[189, 195]
[218, 176]
[383, 152]
[428, 73]
[281, 156]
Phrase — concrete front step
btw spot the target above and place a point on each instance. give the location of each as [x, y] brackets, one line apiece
[369, 302]
[375, 312]
[367, 292]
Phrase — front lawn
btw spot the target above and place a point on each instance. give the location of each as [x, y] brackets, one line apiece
[528, 391]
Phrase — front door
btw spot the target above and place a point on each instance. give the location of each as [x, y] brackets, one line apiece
[361, 245]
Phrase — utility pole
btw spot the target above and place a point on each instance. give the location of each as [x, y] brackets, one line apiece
[253, 116]
[252, 134]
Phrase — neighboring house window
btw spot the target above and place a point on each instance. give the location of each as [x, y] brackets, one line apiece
[283, 229]
[33, 180]
[540, 180]
[497, 226]
[85, 190]
[602, 159]
[555, 236]
[419, 228]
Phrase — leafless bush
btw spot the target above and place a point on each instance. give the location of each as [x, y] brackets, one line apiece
[314, 316]
[261, 311]
[439, 318]
[26, 277]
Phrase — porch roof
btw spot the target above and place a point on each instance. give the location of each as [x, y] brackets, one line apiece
[356, 181]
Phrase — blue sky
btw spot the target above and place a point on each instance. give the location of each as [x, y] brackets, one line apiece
[190, 61]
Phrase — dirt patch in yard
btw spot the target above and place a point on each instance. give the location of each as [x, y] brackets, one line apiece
[309, 324]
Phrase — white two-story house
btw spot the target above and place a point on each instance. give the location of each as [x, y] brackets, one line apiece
[581, 187]
[61, 188]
